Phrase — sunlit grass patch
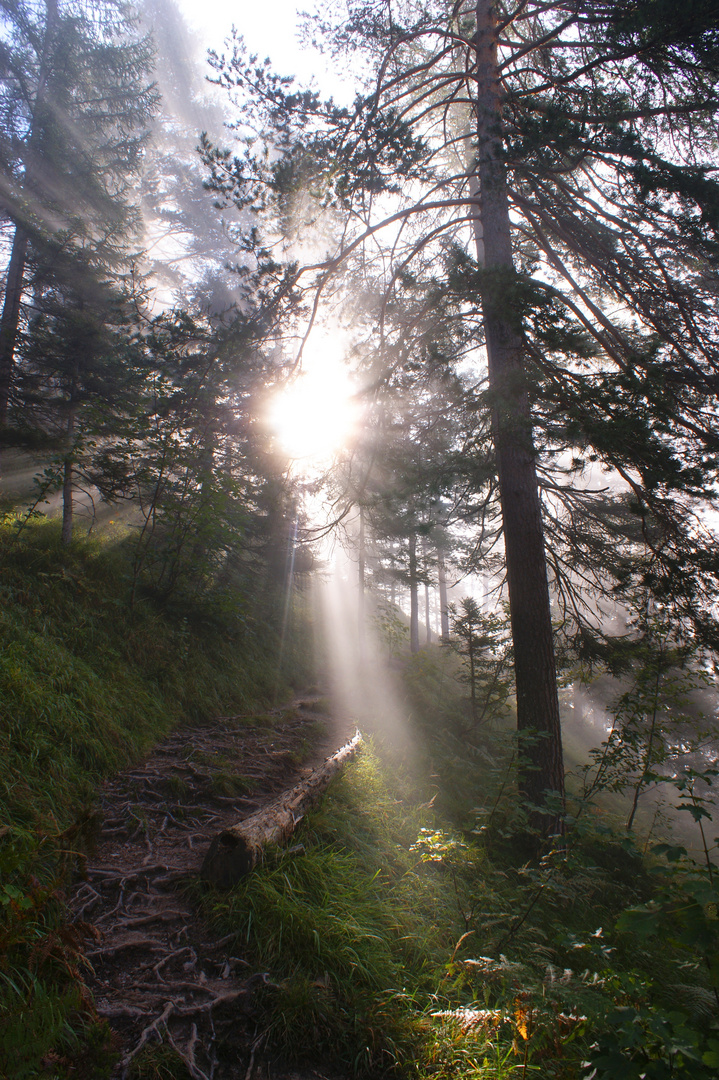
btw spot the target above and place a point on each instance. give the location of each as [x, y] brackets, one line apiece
[396, 944]
[355, 933]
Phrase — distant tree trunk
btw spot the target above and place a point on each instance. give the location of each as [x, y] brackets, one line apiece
[538, 719]
[427, 622]
[413, 597]
[443, 598]
[68, 483]
[360, 585]
[472, 657]
[10, 318]
[278, 534]
[67, 500]
[204, 521]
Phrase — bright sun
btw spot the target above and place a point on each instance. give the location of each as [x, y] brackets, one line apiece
[315, 414]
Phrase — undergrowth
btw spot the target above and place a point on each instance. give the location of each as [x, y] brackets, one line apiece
[399, 943]
[413, 933]
[88, 684]
[351, 932]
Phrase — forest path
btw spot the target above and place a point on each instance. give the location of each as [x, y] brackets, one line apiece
[159, 975]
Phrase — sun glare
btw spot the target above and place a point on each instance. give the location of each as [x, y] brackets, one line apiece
[314, 415]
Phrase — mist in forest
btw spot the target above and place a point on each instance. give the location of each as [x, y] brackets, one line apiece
[363, 683]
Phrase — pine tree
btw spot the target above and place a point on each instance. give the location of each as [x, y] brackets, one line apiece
[188, 246]
[75, 104]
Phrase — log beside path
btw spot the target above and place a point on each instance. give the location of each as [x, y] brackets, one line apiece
[237, 850]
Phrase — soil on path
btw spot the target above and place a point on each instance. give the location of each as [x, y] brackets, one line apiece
[159, 975]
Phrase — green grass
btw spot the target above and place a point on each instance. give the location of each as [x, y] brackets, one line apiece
[414, 937]
[357, 932]
[401, 944]
[87, 686]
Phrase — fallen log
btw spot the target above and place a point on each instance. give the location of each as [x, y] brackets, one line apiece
[237, 850]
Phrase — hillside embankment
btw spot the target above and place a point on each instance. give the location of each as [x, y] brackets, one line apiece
[90, 682]
[413, 928]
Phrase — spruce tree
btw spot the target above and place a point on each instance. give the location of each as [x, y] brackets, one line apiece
[75, 104]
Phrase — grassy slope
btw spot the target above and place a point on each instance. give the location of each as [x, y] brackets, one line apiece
[87, 686]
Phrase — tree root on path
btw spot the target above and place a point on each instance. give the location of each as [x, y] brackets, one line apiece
[151, 1029]
[134, 943]
[159, 1028]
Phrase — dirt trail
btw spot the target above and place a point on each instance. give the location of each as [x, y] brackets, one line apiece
[159, 975]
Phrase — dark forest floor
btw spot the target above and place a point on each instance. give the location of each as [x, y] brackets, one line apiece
[158, 975]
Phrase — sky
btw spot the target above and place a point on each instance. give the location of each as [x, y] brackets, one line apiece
[268, 26]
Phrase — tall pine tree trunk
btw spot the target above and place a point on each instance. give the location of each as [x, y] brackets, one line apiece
[361, 587]
[427, 623]
[538, 719]
[413, 597]
[68, 482]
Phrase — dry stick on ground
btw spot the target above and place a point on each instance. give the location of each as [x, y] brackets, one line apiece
[236, 851]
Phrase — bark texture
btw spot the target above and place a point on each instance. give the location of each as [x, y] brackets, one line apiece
[236, 851]
[10, 318]
[538, 719]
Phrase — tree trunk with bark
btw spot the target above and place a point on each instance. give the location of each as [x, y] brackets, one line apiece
[10, 318]
[236, 851]
[68, 480]
[361, 587]
[427, 622]
[413, 597]
[538, 721]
